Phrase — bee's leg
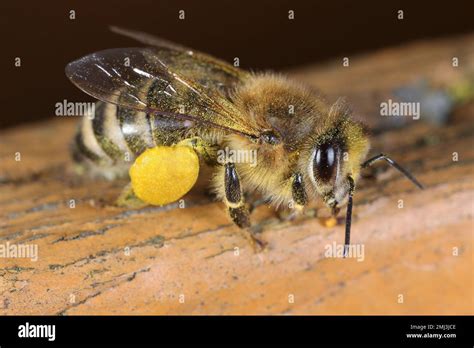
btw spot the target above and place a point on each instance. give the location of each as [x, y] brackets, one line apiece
[235, 202]
[234, 197]
[255, 202]
[205, 150]
[299, 198]
[298, 193]
[128, 199]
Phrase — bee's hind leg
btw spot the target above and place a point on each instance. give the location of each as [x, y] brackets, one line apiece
[235, 202]
[128, 199]
[203, 149]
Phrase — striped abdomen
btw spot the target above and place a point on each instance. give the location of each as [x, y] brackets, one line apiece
[111, 140]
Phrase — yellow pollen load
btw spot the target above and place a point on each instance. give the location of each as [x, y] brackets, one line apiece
[164, 174]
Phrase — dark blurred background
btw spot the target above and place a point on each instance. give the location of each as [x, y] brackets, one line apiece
[258, 32]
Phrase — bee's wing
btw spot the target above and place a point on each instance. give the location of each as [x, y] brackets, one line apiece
[221, 71]
[165, 81]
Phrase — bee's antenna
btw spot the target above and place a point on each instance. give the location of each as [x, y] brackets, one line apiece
[367, 163]
[393, 164]
[347, 239]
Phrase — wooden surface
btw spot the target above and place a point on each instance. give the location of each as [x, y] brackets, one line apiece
[185, 261]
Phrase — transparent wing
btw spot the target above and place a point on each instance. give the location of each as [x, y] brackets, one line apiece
[217, 71]
[165, 81]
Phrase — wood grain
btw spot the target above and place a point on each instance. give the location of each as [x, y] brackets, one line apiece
[96, 258]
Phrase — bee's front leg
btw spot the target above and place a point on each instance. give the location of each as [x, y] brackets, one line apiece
[298, 192]
[299, 197]
[235, 202]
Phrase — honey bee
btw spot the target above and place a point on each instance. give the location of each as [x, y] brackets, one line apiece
[163, 106]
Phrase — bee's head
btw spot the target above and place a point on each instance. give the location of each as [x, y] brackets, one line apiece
[334, 154]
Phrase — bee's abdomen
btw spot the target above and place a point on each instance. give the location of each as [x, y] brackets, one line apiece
[86, 145]
[136, 130]
[115, 136]
[109, 141]
[108, 133]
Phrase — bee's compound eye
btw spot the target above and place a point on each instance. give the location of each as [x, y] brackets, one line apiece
[324, 163]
